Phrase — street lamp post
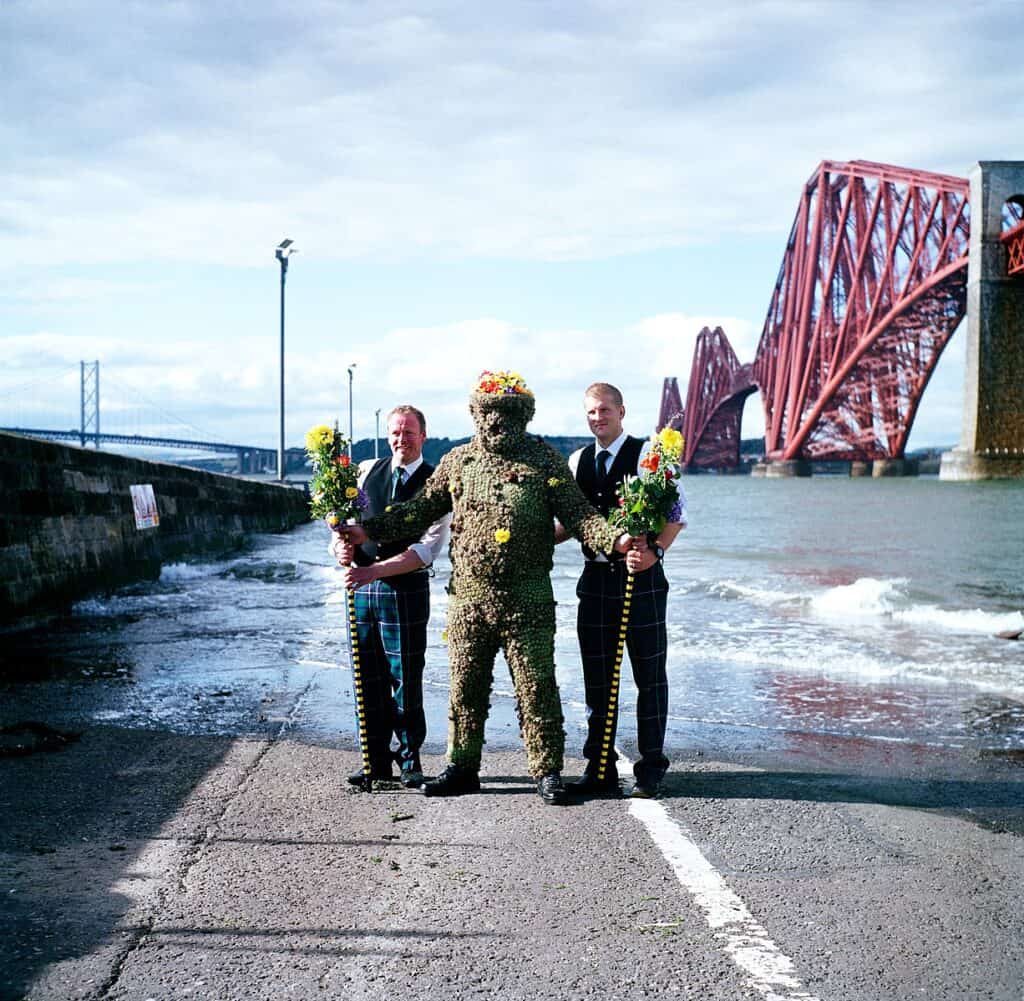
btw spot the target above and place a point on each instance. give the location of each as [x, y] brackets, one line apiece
[284, 251]
[351, 369]
[376, 436]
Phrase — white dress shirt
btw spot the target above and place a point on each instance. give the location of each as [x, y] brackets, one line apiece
[613, 450]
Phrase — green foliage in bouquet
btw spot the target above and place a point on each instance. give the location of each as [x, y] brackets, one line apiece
[334, 494]
[646, 502]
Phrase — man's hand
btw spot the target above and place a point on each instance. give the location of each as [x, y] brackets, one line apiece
[354, 534]
[638, 561]
[625, 543]
[342, 551]
[354, 577]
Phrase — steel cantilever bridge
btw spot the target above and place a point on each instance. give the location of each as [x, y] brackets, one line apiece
[871, 288]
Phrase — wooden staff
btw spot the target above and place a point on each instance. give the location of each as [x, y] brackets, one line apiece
[613, 690]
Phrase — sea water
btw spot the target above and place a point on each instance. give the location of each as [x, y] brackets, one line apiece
[805, 612]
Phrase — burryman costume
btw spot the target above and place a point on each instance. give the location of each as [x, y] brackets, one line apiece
[504, 489]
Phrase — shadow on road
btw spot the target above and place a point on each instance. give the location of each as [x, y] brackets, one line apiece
[996, 803]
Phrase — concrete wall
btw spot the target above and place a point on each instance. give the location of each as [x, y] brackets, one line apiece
[992, 441]
[67, 526]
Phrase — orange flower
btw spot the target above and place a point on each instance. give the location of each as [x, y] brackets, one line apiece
[345, 460]
[651, 462]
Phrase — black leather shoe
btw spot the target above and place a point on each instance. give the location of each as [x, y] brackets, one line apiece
[552, 791]
[644, 790]
[378, 775]
[588, 784]
[453, 781]
[411, 778]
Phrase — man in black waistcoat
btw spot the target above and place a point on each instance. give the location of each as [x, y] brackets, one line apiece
[599, 469]
[392, 604]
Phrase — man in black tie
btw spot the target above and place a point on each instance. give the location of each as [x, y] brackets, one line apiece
[599, 469]
[392, 603]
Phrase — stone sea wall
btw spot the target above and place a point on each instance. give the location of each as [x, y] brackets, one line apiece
[68, 526]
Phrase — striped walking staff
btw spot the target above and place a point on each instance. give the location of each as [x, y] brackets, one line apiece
[357, 686]
[608, 738]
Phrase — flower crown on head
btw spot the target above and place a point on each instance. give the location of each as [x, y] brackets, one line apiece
[501, 384]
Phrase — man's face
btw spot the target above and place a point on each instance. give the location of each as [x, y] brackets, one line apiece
[406, 437]
[604, 418]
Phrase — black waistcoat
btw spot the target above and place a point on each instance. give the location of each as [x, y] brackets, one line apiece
[604, 498]
[377, 487]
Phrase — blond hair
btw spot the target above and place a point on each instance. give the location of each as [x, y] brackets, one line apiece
[604, 389]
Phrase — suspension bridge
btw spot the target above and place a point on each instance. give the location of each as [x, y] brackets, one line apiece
[130, 413]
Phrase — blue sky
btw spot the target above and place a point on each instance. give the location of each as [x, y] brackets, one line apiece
[568, 189]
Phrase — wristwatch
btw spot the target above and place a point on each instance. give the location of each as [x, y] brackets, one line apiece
[658, 551]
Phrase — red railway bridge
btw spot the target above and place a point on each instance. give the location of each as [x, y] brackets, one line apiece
[872, 286]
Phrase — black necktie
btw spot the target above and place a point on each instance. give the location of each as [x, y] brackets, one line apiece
[396, 481]
[602, 466]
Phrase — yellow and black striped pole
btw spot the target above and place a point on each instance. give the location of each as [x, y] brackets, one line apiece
[608, 737]
[357, 687]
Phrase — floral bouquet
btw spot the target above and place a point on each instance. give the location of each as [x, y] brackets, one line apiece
[333, 491]
[648, 501]
[502, 383]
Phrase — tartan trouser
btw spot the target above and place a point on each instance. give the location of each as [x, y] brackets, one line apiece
[600, 591]
[391, 624]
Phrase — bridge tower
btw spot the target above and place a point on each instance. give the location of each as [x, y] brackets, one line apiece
[90, 398]
[992, 440]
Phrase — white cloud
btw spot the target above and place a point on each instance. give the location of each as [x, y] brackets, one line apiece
[517, 131]
[172, 136]
[202, 384]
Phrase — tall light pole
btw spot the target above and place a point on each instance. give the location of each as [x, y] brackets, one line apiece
[284, 251]
[376, 437]
[351, 369]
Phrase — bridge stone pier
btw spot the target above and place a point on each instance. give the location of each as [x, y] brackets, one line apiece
[992, 440]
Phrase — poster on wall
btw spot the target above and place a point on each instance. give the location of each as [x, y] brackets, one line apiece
[144, 504]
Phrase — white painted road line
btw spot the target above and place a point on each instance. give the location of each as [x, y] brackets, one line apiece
[771, 973]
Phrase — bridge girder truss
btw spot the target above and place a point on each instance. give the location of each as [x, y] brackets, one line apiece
[670, 414]
[1013, 240]
[872, 286]
[715, 394]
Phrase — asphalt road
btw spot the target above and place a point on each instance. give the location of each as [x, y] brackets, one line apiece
[152, 865]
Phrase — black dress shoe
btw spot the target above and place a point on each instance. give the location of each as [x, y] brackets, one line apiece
[411, 778]
[588, 784]
[644, 789]
[378, 775]
[453, 781]
[552, 791]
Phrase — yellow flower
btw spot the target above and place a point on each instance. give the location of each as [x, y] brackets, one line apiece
[351, 492]
[671, 442]
[444, 635]
[333, 519]
[319, 436]
[408, 517]
[502, 535]
[388, 508]
[554, 481]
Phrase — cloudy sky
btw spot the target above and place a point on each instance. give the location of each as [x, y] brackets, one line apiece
[568, 189]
